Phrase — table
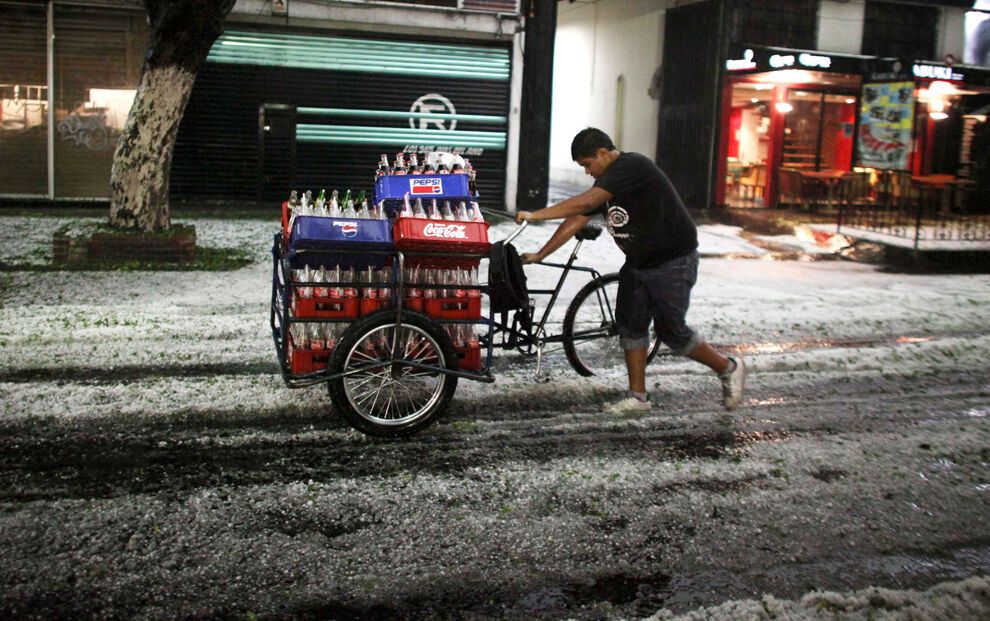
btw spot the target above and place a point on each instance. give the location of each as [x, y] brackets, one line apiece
[829, 178]
[946, 186]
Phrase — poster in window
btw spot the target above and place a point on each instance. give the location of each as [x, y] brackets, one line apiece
[886, 118]
[978, 35]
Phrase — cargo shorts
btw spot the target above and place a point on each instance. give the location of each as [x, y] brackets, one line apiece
[661, 294]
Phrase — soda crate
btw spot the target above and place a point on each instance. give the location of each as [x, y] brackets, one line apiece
[469, 357]
[340, 241]
[370, 305]
[425, 235]
[453, 308]
[390, 189]
[414, 304]
[326, 308]
[302, 361]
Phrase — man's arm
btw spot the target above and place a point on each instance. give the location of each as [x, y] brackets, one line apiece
[567, 229]
[586, 201]
[574, 210]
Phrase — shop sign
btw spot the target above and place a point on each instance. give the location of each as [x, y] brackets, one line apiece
[886, 119]
[741, 64]
[778, 61]
[814, 60]
[936, 72]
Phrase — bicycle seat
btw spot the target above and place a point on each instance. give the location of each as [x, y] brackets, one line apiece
[589, 232]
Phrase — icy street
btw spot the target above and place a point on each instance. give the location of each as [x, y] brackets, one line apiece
[153, 464]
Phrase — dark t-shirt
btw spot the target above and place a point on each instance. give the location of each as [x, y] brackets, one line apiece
[646, 216]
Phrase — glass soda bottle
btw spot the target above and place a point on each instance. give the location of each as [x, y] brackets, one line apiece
[447, 213]
[418, 211]
[407, 211]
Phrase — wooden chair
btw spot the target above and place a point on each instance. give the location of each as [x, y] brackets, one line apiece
[753, 180]
[790, 186]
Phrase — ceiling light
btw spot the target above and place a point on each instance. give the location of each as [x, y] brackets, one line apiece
[783, 106]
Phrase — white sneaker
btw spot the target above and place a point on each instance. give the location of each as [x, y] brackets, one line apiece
[733, 385]
[628, 405]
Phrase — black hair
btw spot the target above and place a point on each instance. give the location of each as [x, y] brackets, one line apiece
[587, 142]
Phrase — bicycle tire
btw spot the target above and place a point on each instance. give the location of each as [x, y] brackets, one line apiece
[598, 306]
[426, 394]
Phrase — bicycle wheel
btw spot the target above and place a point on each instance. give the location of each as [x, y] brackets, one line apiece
[591, 338]
[395, 399]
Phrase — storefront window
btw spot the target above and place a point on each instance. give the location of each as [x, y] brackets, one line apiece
[23, 101]
[97, 67]
[748, 141]
[818, 134]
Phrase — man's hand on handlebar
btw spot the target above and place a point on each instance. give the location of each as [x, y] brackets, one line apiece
[530, 257]
[524, 216]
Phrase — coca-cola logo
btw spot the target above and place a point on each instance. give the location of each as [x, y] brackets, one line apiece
[446, 231]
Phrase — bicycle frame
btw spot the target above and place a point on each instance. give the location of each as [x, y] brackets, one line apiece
[532, 338]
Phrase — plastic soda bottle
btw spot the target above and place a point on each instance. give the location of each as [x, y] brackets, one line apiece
[418, 211]
[369, 292]
[333, 277]
[478, 216]
[472, 282]
[320, 276]
[350, 291]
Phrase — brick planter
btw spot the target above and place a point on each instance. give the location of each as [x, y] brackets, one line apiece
[175, 246]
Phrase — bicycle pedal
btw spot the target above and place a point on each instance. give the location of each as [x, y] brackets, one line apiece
[543, 378]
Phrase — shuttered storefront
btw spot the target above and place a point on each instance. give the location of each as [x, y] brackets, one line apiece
[98, 58]
[23, 101]
[272, 112]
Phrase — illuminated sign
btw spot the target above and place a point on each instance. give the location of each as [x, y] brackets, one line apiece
[778, 61]
[741, 64]
[936, 72]
[813, 60]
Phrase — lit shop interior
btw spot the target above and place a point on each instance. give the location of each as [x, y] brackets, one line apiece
[794, 137]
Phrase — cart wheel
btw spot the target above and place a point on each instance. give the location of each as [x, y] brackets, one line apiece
[392, 400]
[591, 339]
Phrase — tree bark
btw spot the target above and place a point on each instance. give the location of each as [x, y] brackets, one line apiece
[182, 33]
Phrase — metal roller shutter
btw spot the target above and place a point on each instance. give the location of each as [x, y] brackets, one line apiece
[343, 102]
[23, 101]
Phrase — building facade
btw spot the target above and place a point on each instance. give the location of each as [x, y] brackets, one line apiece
[298, 94]
[725, 93]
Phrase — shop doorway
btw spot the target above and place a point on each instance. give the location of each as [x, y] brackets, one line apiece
[276, 152]
[818, 131]
[795, 124]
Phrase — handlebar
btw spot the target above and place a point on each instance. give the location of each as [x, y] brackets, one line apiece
[516, 232]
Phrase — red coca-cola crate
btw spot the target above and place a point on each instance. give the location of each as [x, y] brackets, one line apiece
[469, 357]
[423, 235]
[326, 308]
[370, 305]
[414, 304]
[286, 212]
[453, 308]
[303, 361]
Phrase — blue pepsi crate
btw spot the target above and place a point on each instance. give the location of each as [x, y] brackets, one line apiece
[389, 189]
[348, 242]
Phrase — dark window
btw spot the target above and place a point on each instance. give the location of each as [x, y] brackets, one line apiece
[899, 30]
[781, 23]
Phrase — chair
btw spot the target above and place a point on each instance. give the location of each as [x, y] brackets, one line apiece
[754, 180]
[855, 189]
[790, 186]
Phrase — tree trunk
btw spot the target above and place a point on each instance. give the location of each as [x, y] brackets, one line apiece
[182, 33]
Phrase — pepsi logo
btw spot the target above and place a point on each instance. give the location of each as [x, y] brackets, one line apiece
[347, 228]
[426, 186]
